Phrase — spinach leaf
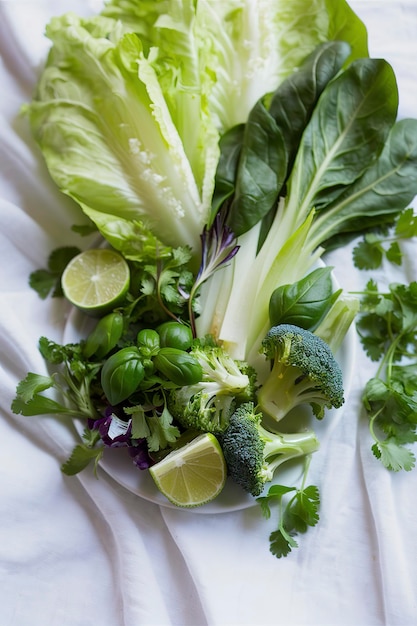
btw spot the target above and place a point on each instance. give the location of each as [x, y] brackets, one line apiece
[380, 194]
[293, 102]
[230, 145]
[344, 25]
[269, 142]
[346, 133]
[262, 170]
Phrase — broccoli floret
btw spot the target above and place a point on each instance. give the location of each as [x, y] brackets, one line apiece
[304, 371]
[208, 404]
[253, 453]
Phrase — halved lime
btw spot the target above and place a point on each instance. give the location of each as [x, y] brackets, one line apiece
[96, 281]
[192, 475]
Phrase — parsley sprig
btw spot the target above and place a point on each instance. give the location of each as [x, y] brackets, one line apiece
[298, 509]
[387, 328]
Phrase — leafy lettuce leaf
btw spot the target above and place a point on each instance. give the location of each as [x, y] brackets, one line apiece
[102, 123]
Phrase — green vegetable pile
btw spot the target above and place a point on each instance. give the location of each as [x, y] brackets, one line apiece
[223, 148]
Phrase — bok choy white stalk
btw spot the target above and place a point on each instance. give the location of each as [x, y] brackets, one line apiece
[348, 176]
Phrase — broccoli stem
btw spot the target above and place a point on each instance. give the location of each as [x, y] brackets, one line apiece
[284, 389]
[285, 446]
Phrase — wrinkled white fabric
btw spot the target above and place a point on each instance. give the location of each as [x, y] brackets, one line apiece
[80, 551]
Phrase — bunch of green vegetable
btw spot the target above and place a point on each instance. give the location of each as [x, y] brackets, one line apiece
[222, 161]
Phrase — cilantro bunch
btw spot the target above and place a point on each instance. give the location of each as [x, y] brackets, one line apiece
[387, 328]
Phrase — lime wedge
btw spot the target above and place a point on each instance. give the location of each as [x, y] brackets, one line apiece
[192, 475]
[96, 281]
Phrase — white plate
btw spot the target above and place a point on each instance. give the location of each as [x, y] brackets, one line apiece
[117, 463]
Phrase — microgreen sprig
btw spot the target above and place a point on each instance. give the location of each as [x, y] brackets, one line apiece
[218, 247]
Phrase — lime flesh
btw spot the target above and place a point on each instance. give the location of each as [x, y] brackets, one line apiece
[96, 281]
[192, 475]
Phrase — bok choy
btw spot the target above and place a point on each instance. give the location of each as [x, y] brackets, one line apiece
[348, 176]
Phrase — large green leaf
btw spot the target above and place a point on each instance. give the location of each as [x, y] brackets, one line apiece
[346, 134]
[261, 171]
[385, 189]
[293, 102]
[272, 135]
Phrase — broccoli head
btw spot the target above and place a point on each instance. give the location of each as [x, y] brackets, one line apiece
[304, 371]
[252, 453]
[208, 404]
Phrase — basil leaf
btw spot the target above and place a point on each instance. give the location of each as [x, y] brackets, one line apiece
[104, 337]
[304, 302]
[121, 374]
[175, 335]
[180, 367]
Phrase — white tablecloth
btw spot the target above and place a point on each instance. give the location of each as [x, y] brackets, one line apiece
[81, 551]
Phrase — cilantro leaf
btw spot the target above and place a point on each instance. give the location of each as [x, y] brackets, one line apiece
[80, 458]
[164, 282]
[33, 384]
[393, 456]
[367, 256]
[38, 405]
[43, 282]
[157, 428]
[281, 542]
[303, 510]
[48, 281]
[296, 513]
[29, 401]
[72, 382]
[394, 254]
[370, 252]
[406, 226]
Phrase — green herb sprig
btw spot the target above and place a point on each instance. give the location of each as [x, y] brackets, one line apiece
[387, 328]
[47, 281]
[296, 513]
[371, 251]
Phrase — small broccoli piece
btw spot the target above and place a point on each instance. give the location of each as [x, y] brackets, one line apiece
[253, 453]
[208, 404]
[304, 371]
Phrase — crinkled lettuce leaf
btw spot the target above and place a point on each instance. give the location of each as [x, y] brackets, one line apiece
[104, 128]
[247, 47]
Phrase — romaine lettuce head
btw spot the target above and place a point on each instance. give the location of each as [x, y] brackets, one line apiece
[109, 141]
[131, 104]
[245, 48]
